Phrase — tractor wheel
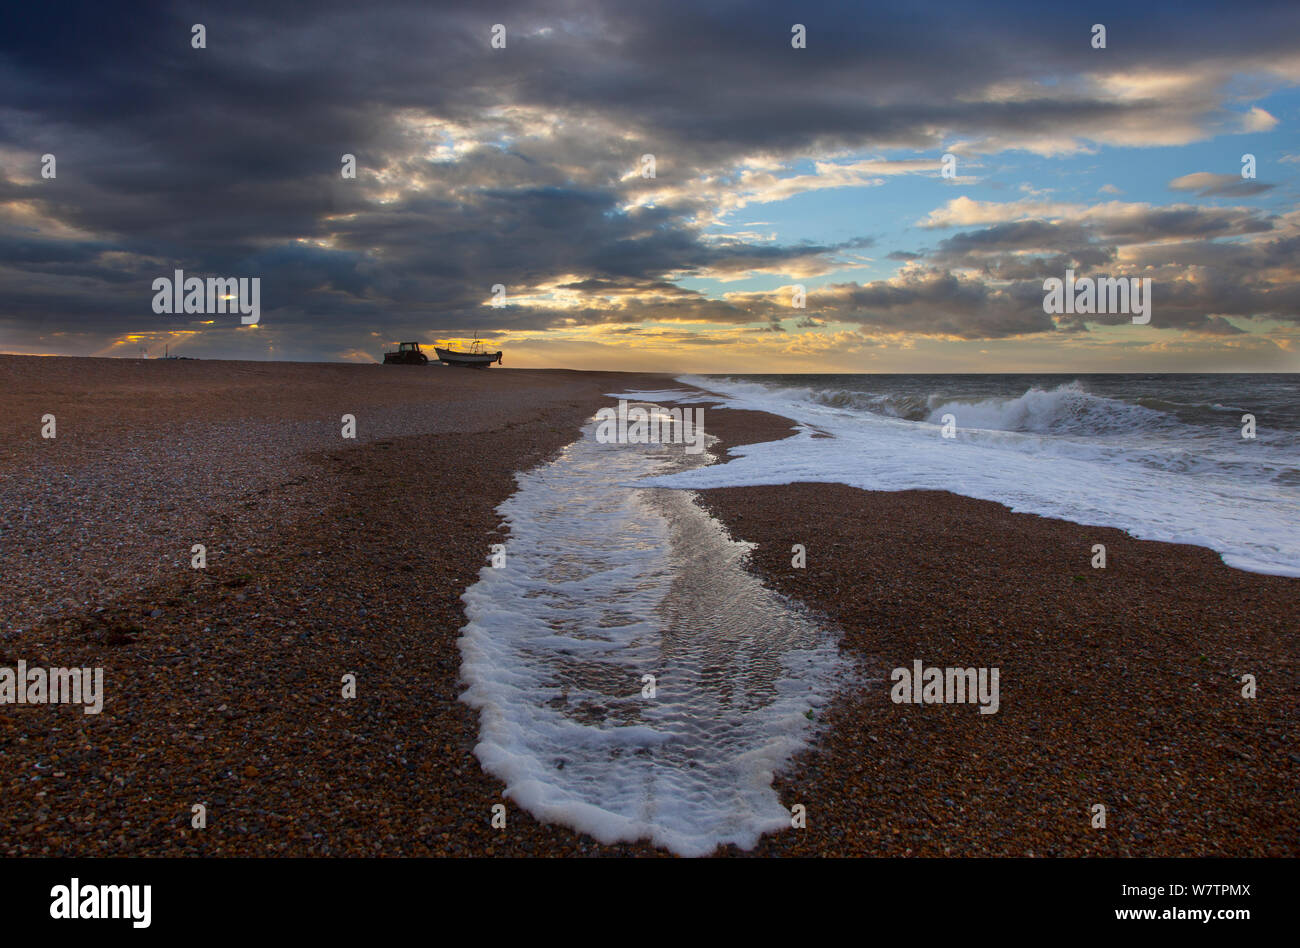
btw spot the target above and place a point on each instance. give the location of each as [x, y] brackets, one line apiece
[424, 359]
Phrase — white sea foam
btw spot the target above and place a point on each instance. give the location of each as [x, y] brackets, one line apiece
[605, 582]
[1061, 410]
[1038, 454]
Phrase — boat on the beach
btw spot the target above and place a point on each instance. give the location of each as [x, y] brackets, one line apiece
[476, 358]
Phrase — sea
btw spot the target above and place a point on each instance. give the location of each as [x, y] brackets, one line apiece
[635, 682]
[1212, 460]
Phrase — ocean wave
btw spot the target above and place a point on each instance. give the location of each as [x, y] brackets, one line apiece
[1066, 409]
[1059, 451]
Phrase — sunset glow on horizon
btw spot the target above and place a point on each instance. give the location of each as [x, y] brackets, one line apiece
[662, 188]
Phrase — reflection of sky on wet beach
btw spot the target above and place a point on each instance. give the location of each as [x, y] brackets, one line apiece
[558, 647]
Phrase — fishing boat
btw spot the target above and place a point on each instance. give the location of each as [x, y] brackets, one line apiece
[476, 358]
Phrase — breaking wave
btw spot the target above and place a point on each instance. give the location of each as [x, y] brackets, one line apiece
[1148, 456]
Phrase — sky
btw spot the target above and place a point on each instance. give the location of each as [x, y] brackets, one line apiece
[506, 144]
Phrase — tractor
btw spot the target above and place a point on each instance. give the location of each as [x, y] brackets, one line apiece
[408, 353]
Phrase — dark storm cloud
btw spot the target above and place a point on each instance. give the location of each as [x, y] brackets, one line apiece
[1242, 279]
[1207, 184]
[1091, 240]
[936, 302]
[480, 166]
[1016, 235]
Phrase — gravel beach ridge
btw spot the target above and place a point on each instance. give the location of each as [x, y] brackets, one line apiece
[328, 557]
[1119, 686]
[324, 558]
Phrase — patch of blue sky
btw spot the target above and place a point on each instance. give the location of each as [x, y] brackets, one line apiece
[890, 214]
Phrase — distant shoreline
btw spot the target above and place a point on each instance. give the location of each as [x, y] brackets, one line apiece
[664, 372]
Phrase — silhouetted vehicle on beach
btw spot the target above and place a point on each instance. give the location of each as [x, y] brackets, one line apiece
[408, 353]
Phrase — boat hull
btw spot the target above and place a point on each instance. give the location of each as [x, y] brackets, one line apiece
[472, 360]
